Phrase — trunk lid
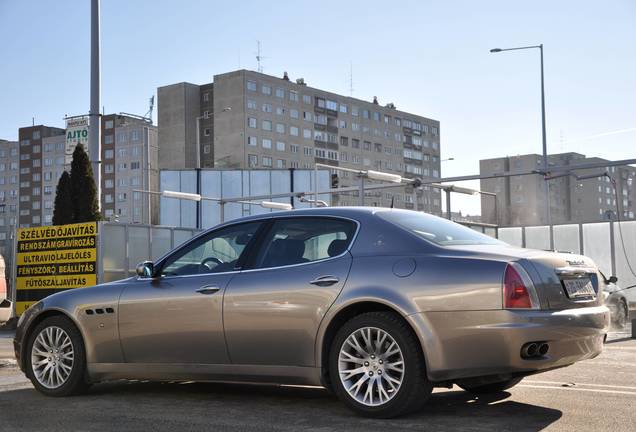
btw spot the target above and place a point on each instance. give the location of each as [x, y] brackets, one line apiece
[562, 280]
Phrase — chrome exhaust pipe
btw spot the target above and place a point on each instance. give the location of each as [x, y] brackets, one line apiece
[529, 350]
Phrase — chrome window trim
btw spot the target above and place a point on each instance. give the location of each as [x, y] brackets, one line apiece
[197, 237]
[347, 250]
[262, 220]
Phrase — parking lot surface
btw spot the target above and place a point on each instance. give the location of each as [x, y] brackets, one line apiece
[598, 394]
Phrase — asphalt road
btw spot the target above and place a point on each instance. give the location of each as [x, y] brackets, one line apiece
[598, 395]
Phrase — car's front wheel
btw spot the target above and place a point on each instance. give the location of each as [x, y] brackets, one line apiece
[377, 366]
[55, 358]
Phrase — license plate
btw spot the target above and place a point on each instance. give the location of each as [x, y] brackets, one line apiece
[577, 288]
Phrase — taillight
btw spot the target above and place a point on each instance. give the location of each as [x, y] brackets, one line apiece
[518, 291]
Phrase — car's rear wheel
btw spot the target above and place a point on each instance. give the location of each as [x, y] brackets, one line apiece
[56, 360]
[377, 366]
[495, 387]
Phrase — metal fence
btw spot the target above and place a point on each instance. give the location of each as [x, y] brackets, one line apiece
[612, 245]
[123, 246]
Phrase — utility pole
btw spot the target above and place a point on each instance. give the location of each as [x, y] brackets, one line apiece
[94, 135]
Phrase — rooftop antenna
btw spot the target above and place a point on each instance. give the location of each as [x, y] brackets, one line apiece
[562, 140]
[350, 78]
[259, 57]
[151, 107]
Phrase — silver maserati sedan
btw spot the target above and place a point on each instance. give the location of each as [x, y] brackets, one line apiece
[377, 305]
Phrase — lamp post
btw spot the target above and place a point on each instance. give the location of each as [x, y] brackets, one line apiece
[545, 147]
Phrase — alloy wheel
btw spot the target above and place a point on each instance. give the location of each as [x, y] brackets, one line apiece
[52, 357]
[371, 366]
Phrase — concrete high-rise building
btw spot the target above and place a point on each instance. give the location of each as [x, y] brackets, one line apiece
[246, 119]
[521, 200]
[129, 162]
[9, 174]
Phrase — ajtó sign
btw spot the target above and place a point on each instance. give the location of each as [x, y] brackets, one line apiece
[53, 259]
[76, 133]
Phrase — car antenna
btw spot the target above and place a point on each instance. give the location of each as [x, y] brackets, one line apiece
[392, 200]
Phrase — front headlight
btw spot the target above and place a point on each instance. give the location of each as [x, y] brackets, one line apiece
[605, 295]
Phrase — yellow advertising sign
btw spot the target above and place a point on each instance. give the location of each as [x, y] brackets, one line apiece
[53, 259]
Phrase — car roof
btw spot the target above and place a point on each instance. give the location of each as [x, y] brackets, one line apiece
[349, 211]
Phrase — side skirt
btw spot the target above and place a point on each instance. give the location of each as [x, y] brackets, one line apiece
[294, 375]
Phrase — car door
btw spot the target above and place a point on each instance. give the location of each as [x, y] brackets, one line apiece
[176, 316]
[273, 308]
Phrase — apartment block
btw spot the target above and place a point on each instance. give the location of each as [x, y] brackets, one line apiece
[249, 120]
[521, 200]
[9, 186]
[129, 162]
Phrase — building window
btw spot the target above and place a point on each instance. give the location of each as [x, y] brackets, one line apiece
[251, 122]
[307, 133]
[206, 132]
[293, 148]
[134, 165]
[108, 184]
[293, 96]
[109, 154]
[266, 143]
[307, 99]
[267, 161]
[252, 161]
[109, 168]
[307, 116]
[252, 140]
[281, 163]
[293, 113]
[108, 198]
[280, 93]
[251, 104]
[251, 85]
[267, 107]
[280, 146]
[308, 151]
[343, 108]
[266, 90]
[331, 105]
[266, 125]
[280, 111]
[206, 97]
[280, 128]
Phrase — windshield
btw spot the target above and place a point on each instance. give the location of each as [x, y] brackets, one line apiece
[435, 229]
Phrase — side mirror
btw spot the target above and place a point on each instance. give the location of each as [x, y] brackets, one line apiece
[612, 279]
[145, 269]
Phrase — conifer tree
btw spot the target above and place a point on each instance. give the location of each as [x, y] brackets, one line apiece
[63, 210]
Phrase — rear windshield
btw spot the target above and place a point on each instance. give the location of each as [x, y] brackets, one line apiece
[435, 229]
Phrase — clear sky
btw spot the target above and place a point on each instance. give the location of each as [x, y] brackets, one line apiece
[428, 57]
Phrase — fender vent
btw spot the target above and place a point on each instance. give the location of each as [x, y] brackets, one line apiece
[100, 311]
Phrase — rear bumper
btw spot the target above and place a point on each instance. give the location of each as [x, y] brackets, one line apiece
[483, 343]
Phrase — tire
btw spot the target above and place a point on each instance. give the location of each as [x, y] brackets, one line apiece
[621, 318]
[414, 388]
[67, 353]
[495, 387]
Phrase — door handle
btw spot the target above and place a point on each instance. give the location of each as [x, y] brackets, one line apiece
[209, 289]
[325, 280]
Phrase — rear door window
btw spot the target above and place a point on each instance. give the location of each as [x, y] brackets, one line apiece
[304, 239]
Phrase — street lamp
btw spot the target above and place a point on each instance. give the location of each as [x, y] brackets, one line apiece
[545, 147]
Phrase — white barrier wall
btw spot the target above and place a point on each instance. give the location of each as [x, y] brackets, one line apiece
[602, 241]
